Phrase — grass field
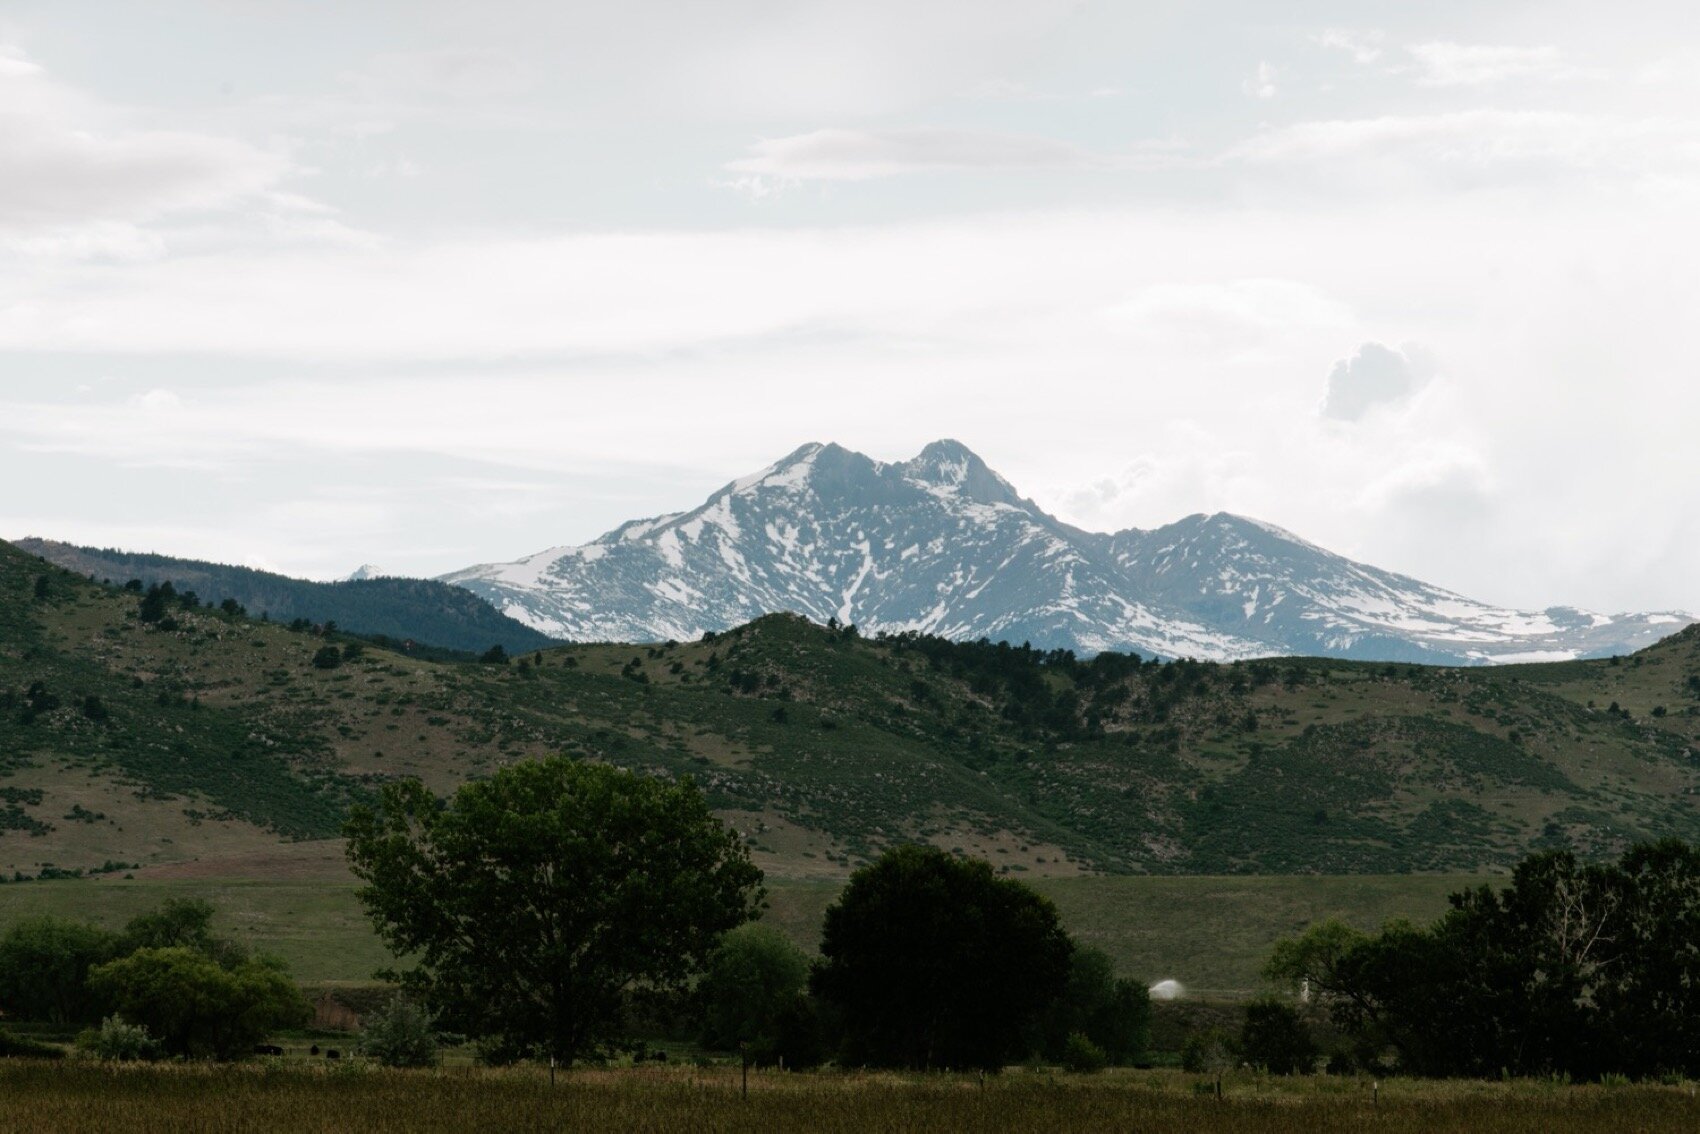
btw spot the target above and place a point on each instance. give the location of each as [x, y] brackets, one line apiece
[80, 1096]
[1212, 934]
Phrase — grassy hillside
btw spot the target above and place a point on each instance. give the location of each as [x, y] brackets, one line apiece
[129, 742]
[423, 610]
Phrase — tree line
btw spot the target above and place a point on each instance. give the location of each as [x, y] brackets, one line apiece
[1574, 969]
[549, 904]
[165, 984]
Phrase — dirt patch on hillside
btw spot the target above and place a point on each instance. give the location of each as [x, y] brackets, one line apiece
[321, 859]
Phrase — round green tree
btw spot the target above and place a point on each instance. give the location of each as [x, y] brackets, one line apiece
[753, 978]
[931, 961]
[537, 901]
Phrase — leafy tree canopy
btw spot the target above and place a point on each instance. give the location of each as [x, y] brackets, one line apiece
[1573, 968]
[197, 1008]
[934, 961]
[753, 976]
[536, 901]
[1113, 1013]
[44, 965]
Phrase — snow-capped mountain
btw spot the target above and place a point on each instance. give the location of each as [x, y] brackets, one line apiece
[943, 544]
[365, 571]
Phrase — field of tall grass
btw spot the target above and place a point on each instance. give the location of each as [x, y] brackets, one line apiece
[76, 1095]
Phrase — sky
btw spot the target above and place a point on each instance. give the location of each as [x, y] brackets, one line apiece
[304, 286]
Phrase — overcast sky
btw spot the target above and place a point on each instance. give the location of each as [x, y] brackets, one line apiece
[302, 285]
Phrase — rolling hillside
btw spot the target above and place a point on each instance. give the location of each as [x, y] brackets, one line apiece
[218, 738]
[422, 610]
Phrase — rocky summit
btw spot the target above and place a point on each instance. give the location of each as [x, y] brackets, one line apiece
[944, 545]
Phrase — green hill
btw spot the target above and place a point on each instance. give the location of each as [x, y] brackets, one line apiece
[217, 737]
[422, 610]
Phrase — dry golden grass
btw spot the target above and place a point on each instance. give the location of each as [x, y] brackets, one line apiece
[82, 1096]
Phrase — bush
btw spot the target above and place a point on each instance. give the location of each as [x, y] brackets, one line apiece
[1275, 1038]
[1115, 1014]
[753, 975]
[799, 1040]
[198, 1008]
[328, 657]
[1082, 1055]
[1207, 1052]
[119, 1042]
[399, 1035]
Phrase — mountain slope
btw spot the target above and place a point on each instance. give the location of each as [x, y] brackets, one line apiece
[129, 741]
[943, 545]
[939, 544]
[423, 610]
[1257, 580]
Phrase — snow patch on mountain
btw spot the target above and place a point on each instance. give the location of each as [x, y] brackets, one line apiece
[943, 545]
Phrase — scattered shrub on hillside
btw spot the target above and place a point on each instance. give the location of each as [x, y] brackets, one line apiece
[119, 1042]
[327, 657]
[400, 1035]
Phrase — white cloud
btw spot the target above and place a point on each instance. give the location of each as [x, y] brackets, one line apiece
[1409, 152]
[1363, 46]
[858, 155]
[1375, 376]
[1261, 82]
[1446, 64]
[66, 159]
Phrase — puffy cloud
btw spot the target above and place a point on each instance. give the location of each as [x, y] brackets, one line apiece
[1375, 376]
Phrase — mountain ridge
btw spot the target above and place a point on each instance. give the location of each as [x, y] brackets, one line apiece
[420, 610]
[956, 550]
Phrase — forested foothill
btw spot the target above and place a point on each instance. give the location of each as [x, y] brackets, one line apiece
[133, 728]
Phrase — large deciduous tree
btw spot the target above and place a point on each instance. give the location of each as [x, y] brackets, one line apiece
[537, 901]
[932, 961]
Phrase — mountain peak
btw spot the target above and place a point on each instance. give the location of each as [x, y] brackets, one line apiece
[952, 466]
[941, 544]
